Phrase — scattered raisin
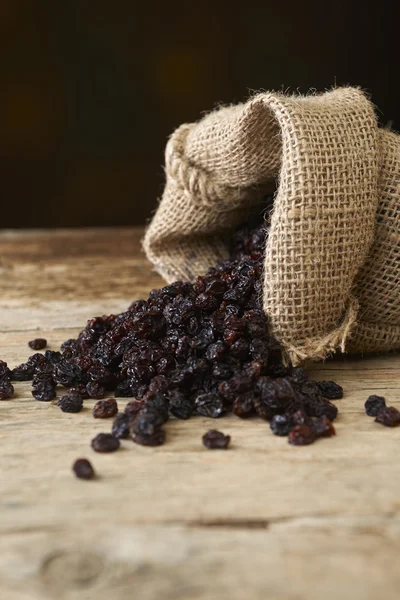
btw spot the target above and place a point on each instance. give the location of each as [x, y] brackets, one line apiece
[104, 409]
[301, 435]
[388, 416]
[281, 424]
[120, 427]
[43, 387]
[37, 344]
[374, 404]
[323, 427]
[105, 442]
[216, 440]
[155, 439]
[83, 469]
[6, 389]
[71, 403]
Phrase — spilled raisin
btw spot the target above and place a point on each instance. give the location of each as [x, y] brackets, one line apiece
[201, 348]
[301, 435]
[83, 469]
[374, 405]
[388, 416]
[43, 387]
[71, 403]
[37, 344]
[105, 442]
[6, 389]
[105, 409]
[155, 439]
[120, 426]
[216, 440]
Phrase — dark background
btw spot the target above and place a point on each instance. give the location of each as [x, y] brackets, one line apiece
[90, 90]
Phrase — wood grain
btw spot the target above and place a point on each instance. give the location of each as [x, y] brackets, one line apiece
[261, 520]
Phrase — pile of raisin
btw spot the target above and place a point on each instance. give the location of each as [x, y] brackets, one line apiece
[191, 349]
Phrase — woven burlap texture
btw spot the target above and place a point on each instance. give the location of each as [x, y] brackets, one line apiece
[328, 158]
[377, 285]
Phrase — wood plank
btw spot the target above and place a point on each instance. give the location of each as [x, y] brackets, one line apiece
[260, 520]
[285, 561]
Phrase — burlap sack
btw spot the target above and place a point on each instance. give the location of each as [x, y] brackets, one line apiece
[377, 285]
[328, 158]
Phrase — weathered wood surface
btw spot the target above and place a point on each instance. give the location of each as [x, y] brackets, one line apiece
[261, 520]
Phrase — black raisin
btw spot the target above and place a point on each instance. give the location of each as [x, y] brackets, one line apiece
[120, 427]
[83, 469]
[43, 387]
[6, 389]
[388, 416]
[105, 442]
[71, 403]
[155, 439]
[330, 390]
[216, 440]
[37, 344]
[374, 404]
[209, 405]
[281, 424]
[105, 409]
[301, 435]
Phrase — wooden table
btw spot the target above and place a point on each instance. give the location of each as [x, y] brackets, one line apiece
[261, 520]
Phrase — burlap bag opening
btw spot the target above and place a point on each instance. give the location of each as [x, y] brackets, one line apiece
[332, 167]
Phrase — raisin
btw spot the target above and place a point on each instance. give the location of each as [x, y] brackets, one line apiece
[298, 376]
[81, 390]
[209, 405]
[120, 427]
[4, 370]
[23, 372]
[243, 405]
[105, 442]
[83, 469]
[388, 416]
[95, 390]
[273, 396]
[330, 390]
[216, 440]
[52, 356]
[301, 435]
[71, 403]
[37, 344]
[374, 404]
[6, 389]
[67, 374]
[281, 424]
[105, 409]
[147, 422]
[155, 439]
[133, 408]
[215, 352]
[159, 383]
[180, 405]
[323, 427]
[43, 387]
